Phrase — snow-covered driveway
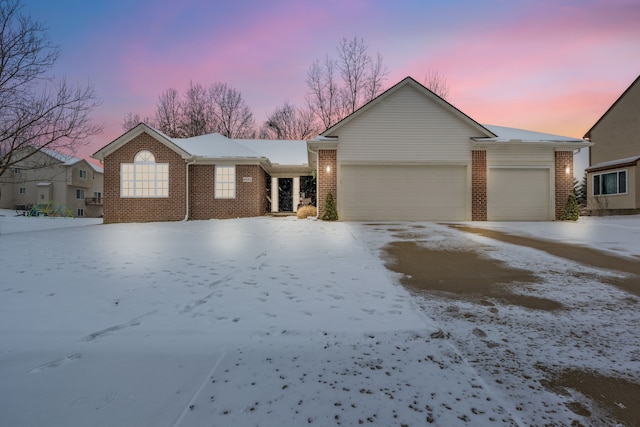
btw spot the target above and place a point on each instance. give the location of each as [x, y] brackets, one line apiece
[259, 321]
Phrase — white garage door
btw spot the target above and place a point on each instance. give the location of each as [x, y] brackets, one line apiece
[518, 195]
[376, 192]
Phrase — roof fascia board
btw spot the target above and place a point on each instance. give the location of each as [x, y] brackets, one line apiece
[131, 134]
[428, 93]
[636, 81]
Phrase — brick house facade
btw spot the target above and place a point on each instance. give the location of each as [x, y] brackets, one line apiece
[406, 155]
[191, 178]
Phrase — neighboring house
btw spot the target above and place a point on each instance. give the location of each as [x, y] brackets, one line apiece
[406, 155]
[613, 175]
[48, 176]
[152, 177]
[410, 155]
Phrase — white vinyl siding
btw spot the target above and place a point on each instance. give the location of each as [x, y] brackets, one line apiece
[515, 194]
[406, 127]
[408, 192]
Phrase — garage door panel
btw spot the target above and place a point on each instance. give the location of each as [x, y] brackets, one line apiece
[370, 192]
[518, 194]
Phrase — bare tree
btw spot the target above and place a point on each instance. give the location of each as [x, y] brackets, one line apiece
[197, 118]
[323, 97]
[37, 112]
[233, 118]
[289, 122]
[361, 79]
[436, 83]
[132, 120]
[169, 113]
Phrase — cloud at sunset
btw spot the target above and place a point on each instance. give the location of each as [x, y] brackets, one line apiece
[546, 66]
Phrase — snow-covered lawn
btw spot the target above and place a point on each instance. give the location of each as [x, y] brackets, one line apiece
[278, 321]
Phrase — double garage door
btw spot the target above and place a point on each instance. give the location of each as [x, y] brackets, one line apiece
[440, 193]
[395, 193]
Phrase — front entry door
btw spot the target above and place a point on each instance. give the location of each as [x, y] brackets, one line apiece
[285, 195]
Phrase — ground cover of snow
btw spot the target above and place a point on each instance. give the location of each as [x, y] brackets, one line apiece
[279, 321]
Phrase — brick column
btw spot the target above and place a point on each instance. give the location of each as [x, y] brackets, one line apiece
[478, 185]
[327, 179]
[564, 179]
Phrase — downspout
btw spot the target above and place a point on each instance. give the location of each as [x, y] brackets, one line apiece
[317, 175]
[186, 214]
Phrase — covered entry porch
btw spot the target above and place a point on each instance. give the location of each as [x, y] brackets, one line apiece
[287, 193]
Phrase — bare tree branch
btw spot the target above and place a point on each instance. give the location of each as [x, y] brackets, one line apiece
[436, 83]
[361, 80]
[288, 122]
[35, 111]
[168, 113]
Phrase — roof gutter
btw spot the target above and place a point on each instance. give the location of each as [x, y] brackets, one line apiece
[186, 210]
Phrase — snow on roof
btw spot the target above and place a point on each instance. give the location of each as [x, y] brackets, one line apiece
[282, 152]
[64, 158]
[506, 134]
[215, 145]
[617, 162]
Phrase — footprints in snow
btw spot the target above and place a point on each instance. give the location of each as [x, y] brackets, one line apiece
[55, 363]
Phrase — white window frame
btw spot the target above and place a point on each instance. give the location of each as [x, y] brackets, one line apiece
[79, 193]
[82, 173]
[225, 182]
[144, 178]
[80, 212]
[598, 189]
[23, 190]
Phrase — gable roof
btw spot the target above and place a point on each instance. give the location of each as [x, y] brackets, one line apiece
[635, 82]
[408, 81]
[217, 146]
[131, 134]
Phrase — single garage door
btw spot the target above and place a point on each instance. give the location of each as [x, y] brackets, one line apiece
[380, 192]
[518, 195]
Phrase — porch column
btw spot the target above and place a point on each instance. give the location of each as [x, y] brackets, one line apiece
[274, 194]
[296, 193]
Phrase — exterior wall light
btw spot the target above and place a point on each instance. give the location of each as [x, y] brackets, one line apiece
[567, 170]
[328, 168]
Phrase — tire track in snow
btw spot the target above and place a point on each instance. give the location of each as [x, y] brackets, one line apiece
[190, 404]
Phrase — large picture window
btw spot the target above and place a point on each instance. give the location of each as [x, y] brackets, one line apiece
[225, 182]
[144, 177]
[610, 183]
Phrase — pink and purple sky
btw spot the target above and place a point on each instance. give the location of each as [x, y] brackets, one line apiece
[546, 65]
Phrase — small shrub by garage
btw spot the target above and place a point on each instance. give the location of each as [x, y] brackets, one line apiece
[306, 211]
[330, 211]
[571, 209]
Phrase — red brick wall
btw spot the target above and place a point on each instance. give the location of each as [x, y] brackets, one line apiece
[478, 185]
[250, 197]
[118, 209]
[327, 181]
[564, 180]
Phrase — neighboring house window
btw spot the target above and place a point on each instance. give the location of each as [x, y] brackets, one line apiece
[17, 171]
[610, 183]
[97, 195]
[80, 212]
[83, 174]
[144, 177]
[79, 193]
[23, 190]
[225, 184]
